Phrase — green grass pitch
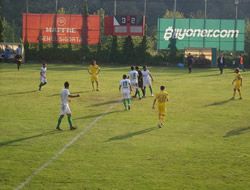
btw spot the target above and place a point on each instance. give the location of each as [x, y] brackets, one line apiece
[205, 144]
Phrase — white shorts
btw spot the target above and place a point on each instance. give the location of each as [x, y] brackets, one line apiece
[147, 82]
[65, 109]
[43, 79]
[134, 85]
[126, 94]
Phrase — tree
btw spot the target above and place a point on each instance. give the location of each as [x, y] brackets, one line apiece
[114, 50]
[170, 14]
[1, 30]
[142, 50]
[128, 50]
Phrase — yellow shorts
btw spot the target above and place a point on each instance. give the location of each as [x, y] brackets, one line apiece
[94, 78]
[162, 109]
[237, 86]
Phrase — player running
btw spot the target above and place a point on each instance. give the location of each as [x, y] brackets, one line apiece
[65, 110]
[237, 82]
[133, 76]
[43, 77]
[161, 99]
[147, 81]
[94, 70]
[125, 87]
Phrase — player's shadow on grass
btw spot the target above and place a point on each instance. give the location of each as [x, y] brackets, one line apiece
[80, 92]
[238, 131]
[105, 103]
[220, 102]
[131, 134]
[9, 142]
[97, 115]
[18, 93]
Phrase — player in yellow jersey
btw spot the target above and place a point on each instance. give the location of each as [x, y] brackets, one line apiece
[237, 82]
[94, 70]
[161, 98]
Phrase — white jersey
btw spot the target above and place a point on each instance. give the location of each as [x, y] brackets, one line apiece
[133, 76]
[43, 71]
[125, 84]
[64, 96]
[146, 78]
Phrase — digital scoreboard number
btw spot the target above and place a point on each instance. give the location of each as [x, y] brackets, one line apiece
[124, 25]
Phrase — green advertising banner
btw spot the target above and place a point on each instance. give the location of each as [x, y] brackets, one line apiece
[225, 35]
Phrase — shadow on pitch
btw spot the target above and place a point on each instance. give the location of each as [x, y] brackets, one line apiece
[220, 102]
[80, 92]
[131, 134]
[105, 103]
[98, 115]
[5, 143]
[18, 93]
[238, 131]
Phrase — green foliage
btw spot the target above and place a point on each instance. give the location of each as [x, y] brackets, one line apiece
[85, 8]
[1, 30]
[141, 53]
[114, 53]
[170, 14]
[61, 11]
[128, 50]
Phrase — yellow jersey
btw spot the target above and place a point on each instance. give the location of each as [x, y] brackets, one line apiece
[162, 97]
[94, 69]
[238, 80]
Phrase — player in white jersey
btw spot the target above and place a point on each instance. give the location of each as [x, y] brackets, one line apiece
[125, 88]
[43, 77]
[65, 109]
[133, 76]
[147, 80]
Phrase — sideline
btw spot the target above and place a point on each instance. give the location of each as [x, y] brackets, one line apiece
[60, 152]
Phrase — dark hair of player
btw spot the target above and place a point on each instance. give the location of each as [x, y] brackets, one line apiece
[144, 67]
[237, 70]
[66, 84]
[93, 62]
[137, 68]
[132, 68]
[124, 76]
[162, 87]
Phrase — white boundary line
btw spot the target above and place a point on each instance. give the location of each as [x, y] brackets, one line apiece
[60, 152]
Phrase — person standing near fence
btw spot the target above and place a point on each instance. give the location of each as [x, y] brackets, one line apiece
[18, 56]
[241, 63]
[190, 60]
[221, 62]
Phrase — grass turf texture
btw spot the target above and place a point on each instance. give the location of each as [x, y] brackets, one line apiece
[204, 145]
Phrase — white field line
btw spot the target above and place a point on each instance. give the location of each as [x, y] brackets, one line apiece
[60, 152]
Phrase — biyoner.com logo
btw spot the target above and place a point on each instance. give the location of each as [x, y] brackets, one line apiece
[180, 33]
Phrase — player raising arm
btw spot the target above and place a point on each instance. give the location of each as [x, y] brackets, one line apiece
[237, 82]
[65, 109]
[94, 70]
[125, 87]
[161, 98]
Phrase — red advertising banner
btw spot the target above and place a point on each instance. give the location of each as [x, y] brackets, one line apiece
[61, 28]
[124, 25]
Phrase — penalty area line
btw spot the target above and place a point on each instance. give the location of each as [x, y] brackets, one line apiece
[61, 151]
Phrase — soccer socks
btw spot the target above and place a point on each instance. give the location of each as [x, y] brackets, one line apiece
[59, 121]
[151, 90]
[126, 103]
[42, 84]
[70, 121]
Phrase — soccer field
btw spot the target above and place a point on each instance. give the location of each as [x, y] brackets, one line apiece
[203, 146]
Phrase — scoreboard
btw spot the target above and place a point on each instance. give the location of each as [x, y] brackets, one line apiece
[124, 25]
